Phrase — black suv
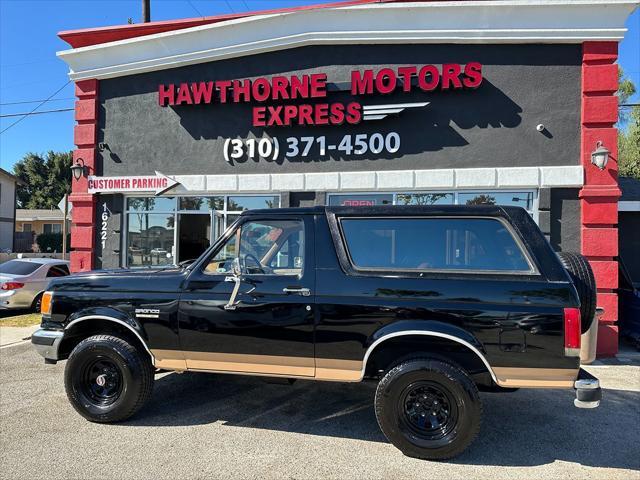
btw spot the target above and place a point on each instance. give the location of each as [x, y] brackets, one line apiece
[433, 303]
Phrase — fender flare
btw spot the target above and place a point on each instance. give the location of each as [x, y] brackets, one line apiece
[125, 324]
[431, 329]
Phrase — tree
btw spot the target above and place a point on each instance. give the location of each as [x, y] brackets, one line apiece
[47, 179]
[482, 199]
[629, 130]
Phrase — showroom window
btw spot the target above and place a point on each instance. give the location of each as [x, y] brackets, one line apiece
[168, 230]
[525, 199]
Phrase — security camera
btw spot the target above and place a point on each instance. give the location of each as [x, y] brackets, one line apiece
[540, 127]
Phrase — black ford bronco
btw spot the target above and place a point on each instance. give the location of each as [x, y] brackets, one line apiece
[433, 303]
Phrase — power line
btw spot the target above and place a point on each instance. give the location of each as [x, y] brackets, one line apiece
[194, 7]
[37, 107]
[245, 5]
[37, 113]
[229, 5]
[22, 102]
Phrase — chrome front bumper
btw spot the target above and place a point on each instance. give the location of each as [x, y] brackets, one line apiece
[46, 343]
[588, 391]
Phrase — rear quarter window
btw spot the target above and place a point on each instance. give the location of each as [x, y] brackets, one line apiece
[19, 267]
[437, 244]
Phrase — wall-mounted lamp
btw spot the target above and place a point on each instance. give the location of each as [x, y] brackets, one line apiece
[78, 170]
[600, 156]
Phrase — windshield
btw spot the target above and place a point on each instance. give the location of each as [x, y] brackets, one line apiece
[19, 267]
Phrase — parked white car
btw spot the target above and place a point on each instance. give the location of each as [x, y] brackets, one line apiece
[22, 281]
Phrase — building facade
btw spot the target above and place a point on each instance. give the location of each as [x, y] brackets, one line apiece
[8, 186]
[183, 125]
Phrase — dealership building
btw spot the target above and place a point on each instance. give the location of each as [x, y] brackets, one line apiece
[182, 125]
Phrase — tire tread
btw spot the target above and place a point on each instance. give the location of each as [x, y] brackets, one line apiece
[455, 374]
[583, 279]
[131, 354]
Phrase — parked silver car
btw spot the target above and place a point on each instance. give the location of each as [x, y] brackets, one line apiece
[23, 280]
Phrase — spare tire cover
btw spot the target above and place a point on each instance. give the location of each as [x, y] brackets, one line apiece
[582, 276]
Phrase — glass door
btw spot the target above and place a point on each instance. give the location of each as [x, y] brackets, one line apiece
[194, 235]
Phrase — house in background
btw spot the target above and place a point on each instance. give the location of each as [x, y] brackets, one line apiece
[39, 221]
[8, 184]
[33, 222]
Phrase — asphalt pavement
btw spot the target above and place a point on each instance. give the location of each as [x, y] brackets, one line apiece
[200, 425]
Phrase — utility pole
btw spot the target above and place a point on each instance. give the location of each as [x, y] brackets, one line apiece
[64, 226]
[146, 11]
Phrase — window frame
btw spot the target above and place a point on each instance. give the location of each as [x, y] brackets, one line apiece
[423, 272]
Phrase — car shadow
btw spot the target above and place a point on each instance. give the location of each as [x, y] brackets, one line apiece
[14, 312]
[523, 428]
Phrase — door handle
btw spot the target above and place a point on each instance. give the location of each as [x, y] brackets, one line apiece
[305, 292]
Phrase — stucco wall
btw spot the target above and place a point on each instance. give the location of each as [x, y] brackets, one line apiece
[7, 211]
[495, 125]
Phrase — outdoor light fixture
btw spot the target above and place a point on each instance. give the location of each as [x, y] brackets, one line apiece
[78, 169]
[600, 156]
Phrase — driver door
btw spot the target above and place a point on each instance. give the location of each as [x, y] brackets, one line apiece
[269, 327]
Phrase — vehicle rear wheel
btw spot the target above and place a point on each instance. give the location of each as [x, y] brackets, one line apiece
[107, 379]
[428, 409]
[35, 305]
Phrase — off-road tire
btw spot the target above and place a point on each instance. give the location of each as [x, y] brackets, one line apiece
[582, 276]
[391, 415]
[135, 372]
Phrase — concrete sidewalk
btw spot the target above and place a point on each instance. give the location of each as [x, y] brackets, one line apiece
[13, 335]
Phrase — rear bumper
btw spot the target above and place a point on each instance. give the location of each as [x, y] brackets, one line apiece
[46, 343]
[588, 391]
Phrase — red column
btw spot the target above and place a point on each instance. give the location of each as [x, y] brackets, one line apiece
[84, 204]
[599, 196]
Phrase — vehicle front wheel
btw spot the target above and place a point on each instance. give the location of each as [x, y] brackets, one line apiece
[428, 409]
[107, 379]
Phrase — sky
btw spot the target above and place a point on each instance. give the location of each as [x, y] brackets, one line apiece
[30, 70]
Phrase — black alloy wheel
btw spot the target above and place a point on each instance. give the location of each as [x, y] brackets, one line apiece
[428, 409]
[107, 379]
[102, 381]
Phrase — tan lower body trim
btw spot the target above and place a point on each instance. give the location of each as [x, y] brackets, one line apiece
[299, 367]
[335, 370]
[338, 370]
[169, 359]
[535, 377]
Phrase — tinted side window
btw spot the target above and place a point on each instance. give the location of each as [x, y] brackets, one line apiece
[432, 244]
[19, 267]
[58, 271]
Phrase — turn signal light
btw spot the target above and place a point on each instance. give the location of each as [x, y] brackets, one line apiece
[572, 332]
[12, 285]
[45, 303]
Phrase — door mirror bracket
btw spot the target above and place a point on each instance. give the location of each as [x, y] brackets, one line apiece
[236, 277]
